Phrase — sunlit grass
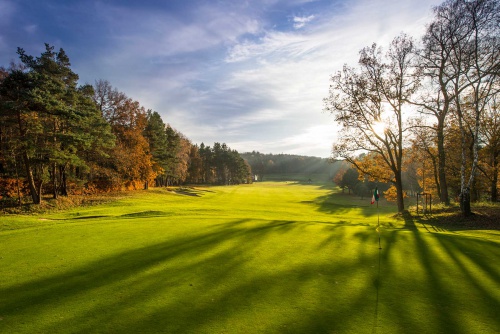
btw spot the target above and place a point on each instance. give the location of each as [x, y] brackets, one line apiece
[265, 258]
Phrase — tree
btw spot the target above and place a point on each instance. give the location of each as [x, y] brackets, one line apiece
[423, 155]
[158, 145]
[182, 159]
[130, 164]
[195, 171]
[350, 179]
[206, 155]
[173, 149]
[477, 56]
[338, 179]
[363, 100]
[50, 118]
[490, 137]
[459, 63]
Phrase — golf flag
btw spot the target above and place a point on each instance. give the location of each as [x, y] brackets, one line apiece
[375, 196]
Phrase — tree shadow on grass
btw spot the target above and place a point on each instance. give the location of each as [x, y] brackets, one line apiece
[192, 283]
[456, 221]
[210, 281]
[336, 203]
[409, 221]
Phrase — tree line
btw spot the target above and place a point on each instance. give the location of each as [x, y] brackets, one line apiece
[58, 137]
[429, 104]
[266, 164]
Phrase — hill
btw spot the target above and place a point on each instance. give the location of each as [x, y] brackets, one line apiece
[268, 166]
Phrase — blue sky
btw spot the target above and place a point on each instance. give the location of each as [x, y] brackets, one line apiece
[251, 74]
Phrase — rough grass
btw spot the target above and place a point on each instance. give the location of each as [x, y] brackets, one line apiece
[265, 258]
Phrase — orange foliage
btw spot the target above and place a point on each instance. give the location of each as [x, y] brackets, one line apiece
[375, 168]
[9, 188]
[391, 194]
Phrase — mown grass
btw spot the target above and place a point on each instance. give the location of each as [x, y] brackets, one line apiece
[271, 257]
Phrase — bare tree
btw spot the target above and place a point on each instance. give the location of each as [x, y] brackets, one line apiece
[364, 100]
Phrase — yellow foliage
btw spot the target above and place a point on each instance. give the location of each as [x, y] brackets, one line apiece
[391, 194]
[375, 168]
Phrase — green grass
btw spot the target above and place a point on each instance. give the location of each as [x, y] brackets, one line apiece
[271, 257]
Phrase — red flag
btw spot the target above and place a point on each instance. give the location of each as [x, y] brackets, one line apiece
[375, 196]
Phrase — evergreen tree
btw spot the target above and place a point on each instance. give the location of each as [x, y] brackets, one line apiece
[50, 117]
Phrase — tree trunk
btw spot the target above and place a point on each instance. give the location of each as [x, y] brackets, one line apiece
[54, 181]
[399, 194]
[39, 190]
[64, 181]
[494, 190]
[443, 195]
[493, 185]
[465, 203]
[435, 169]
[35, 196]
[17, 181]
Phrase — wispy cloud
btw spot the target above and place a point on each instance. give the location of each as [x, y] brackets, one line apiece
[252, 73]
[300, 22]
[30, 29]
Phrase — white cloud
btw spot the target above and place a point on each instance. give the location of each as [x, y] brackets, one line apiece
[300, 22]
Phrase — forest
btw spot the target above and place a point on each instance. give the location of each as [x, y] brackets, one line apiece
[59, 138]
[268, 166]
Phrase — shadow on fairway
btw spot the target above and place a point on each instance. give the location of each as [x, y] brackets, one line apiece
[203, 283]
[197, 282]
[337, 203]
[409, 221]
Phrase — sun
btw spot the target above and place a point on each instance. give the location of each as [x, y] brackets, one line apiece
[379, 128]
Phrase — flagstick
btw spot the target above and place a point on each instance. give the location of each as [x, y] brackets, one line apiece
[378, 227]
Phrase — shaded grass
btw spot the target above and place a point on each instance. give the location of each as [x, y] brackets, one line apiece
[267, 258]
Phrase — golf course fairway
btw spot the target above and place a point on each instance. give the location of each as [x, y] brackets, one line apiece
[271, 257]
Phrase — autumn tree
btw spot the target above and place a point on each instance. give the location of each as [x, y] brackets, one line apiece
[182, 159]
[130, 162]
[337, 179]
[363, 100]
